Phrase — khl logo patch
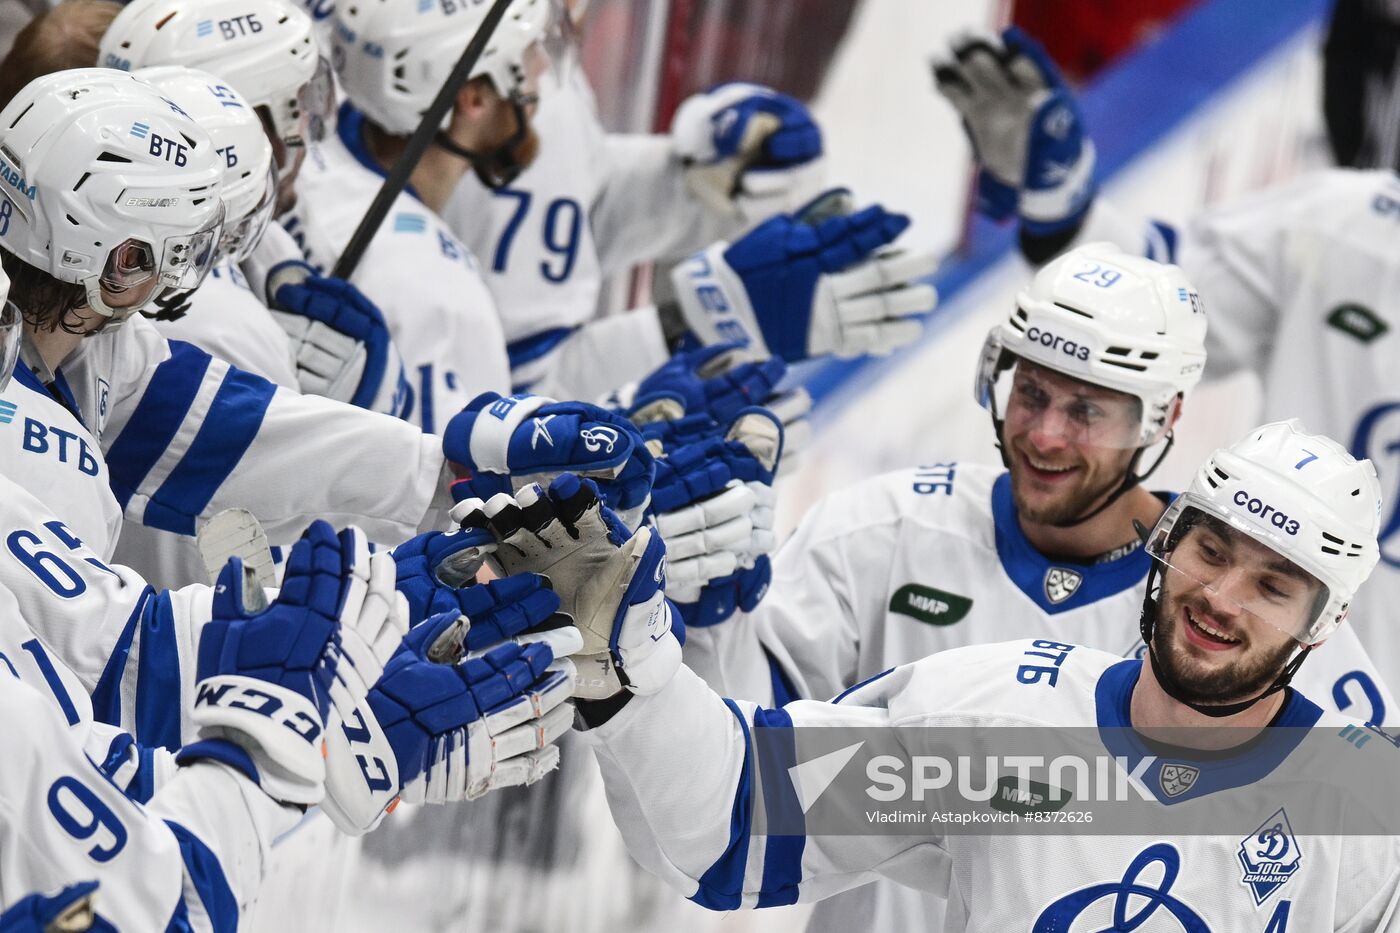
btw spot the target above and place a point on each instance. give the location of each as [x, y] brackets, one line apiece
[1177, 779]
[1270, 856]
[1061, 583]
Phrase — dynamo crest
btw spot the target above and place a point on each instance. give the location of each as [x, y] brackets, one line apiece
[1061, 583]
[1269, 856]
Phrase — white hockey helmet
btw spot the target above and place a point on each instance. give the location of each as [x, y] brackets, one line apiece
[265, 49]
[1302, 496]
[393, 56]
[1107, 318]
[250, 181]
[108, 184]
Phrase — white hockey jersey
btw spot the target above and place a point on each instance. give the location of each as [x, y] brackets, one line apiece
[591, 205]
[919, 561]
[190, 855]
[429, 286]
[679, 764]
[226, 321]
[1302, 283]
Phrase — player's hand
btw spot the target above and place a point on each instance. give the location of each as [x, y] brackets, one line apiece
[610, 581]
[713, 504]
[504, 444]
[719, 382]
[439, 733]
[1026, 130]
[748, 151]
[339, 339]
[431, 579]
[817, 283]
[267, 679]
[71, 910]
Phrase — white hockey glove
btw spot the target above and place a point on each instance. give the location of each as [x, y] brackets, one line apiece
[439, 733]
[748, 151]
[268, 679]
[339, 339]
[611, 582]
[1026, 130]
[817, 283]
[714, 508]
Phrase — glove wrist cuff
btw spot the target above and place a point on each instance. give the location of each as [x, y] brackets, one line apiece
[1046, 211]
[714, 302]
[279, 730]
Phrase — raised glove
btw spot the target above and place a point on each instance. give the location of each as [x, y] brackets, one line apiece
[444, 732]
[713, 504]
[610, 581]
[505, 444]
[339, 339]
[71, 910]
[1026, 130]
[720, 381]
[748, 151]
[802, 289]
[266, 680]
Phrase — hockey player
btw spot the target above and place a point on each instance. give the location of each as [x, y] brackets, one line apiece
[1085, 381]
[591, 204]
[429, 285]
[1238, 599]
[192, 848]
[1297, 277]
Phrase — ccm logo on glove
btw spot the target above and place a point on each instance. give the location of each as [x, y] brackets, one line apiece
[216, 693]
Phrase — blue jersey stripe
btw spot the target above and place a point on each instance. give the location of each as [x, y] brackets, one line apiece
[157, 418]
[228, 430]
[782, 855]
[722, 885]
[207, 875]
[158, 678]
[107, 695]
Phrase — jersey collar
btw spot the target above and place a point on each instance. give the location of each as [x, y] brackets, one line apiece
[58, 390]
[350, 129]
[1213, 771]
[1073, 584]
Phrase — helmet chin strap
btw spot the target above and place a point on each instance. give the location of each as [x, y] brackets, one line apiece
[1172, 687]
[496, 167]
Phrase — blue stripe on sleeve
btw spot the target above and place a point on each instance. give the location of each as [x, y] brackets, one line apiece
[158, 679]
[157, 418]
[782, 855]
[783, 690]
[722, 885]
[233, 421]
[207, 875]
[107, 695]
[180, 919]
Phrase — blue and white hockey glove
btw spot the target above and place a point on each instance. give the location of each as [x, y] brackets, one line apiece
[719, 381]
[69, 911]
[748, 151]
[505, 444]
[439, 733]
[339, 339]
[817, 283]
[267, 679]
[713, 505]
[1026, 130]
[486, 613]
[611, 581]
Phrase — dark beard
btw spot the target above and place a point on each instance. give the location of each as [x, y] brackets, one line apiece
[1068, 511]
[1236, 683]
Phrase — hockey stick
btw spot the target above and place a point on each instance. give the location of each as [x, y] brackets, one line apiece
[417, 144]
